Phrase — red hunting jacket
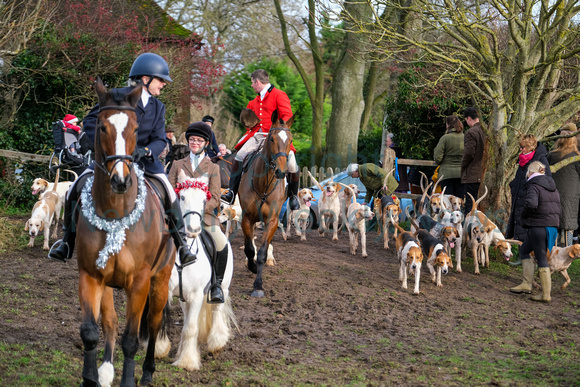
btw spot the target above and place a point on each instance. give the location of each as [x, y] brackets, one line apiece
[274, 99]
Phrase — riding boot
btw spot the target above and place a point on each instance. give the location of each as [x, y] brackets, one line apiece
[177, 230]
[546, 282]
[293, 202]
[528, 268]
[216, 294]
[235, 178]
[66, 245]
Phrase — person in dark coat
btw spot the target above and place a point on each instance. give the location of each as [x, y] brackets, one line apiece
[212, 149]
[567, 181]
[152, 72]
[540, 217]
[472, 161]
[531, 150]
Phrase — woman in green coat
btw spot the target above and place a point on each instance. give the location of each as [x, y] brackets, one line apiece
[448, 155]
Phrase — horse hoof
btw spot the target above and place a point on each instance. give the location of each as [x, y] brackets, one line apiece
[258, 293]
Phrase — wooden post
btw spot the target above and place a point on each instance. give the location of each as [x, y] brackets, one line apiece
[389, 159]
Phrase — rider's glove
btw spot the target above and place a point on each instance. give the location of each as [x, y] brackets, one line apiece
[141, 153]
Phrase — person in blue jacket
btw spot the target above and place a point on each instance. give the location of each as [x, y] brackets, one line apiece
[151, 71]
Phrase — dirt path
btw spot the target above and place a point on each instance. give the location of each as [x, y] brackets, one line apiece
[328, 318]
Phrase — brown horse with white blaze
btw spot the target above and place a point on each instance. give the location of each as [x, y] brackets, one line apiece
[262, 194]
[122, 243]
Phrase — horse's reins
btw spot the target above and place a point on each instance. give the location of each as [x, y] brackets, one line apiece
[184, 265]
[125, 159]
[271, 166]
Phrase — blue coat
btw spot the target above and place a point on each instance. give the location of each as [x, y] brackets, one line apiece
[151, 132]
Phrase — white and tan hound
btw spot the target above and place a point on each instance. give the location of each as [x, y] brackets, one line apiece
[299, 217]
[328, 207]
[410, 257]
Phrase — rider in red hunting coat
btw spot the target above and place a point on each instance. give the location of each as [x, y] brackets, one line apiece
[268, 100]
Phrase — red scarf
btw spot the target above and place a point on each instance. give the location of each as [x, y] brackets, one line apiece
[525, 158]
[71, 126]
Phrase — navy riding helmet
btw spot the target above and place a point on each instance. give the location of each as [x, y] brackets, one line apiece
[151, 65]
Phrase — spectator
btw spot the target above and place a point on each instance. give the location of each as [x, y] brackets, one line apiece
[400, 170]
[372, 176]
[567, 181]
[212, 149]
[531, 150]
[448, 155]
[223, 150]
[171, 141]
[472, 161]
[540, 217]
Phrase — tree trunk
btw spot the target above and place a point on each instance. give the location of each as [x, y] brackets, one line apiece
[347, 98]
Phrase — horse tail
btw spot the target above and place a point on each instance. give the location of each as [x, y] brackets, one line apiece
[165, 322]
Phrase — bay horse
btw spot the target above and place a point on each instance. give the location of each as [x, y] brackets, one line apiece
[203, 322]
[122, 243]
[225, 164]
[262, 193]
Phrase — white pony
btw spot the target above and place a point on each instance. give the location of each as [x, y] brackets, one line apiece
[203, 322]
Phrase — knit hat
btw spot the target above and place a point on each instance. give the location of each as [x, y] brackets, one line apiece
[70, 119]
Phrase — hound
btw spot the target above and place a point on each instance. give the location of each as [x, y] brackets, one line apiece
[40, 187]
[481, 233]
[410, 257]
[328, 207]
[448, 237]
[356, 215]
[388, 210]
[438, 202]
[456, 203]
[455, 219]
[231, 216]
[436, 255]
[560, 259]
[345, 198]
[43, 213]
[299, 218]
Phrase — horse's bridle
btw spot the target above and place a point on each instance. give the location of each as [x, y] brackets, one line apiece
[125, 159]
[193, 213]
[272, 164]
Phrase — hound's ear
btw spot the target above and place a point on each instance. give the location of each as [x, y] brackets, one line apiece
[41, 225]
[26, 226]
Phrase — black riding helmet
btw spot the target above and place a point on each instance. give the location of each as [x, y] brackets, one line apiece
[151, 65]
[200, 129]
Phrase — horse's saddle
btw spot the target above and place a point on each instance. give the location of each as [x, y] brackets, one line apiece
[209, 246]
[250, 159]
[158, 187]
